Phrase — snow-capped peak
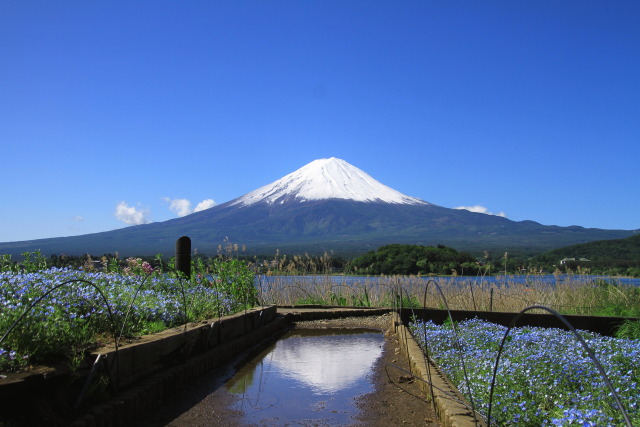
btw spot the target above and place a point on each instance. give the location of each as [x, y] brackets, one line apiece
[326, 179]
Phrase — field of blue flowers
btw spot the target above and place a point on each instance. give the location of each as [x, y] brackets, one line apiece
[544, 376]
[83, 309]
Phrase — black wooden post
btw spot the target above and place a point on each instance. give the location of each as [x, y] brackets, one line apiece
[183, 255]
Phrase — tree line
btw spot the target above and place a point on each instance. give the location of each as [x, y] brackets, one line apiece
[414, 259]
[613, 257]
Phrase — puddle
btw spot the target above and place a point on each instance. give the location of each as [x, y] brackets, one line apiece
[308, 377]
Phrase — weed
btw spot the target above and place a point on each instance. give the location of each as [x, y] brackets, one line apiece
[629, 329]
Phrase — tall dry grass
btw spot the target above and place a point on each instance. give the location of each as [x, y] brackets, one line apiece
[573, 295]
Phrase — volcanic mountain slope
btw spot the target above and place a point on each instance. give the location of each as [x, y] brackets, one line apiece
[326, 205]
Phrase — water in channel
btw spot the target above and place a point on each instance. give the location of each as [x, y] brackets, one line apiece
[308, 377]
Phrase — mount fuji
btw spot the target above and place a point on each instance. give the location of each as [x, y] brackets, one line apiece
[327, 205]
[326, 179]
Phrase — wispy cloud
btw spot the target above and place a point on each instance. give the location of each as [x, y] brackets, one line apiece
[131, 215]
[78, 218]
[182, 207]
[481, 209]
[205, 204]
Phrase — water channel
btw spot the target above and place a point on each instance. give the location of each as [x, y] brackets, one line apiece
[308, 377]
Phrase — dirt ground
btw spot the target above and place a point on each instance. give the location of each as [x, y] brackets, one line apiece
[396, 400]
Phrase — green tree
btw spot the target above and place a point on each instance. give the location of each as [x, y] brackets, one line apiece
[398, 259]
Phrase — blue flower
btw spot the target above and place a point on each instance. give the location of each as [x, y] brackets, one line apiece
[543, 375]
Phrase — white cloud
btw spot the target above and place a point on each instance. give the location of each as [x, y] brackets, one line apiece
[181, 207]
[481, 209]
[78, 218]
[131, 215]
[205, 204]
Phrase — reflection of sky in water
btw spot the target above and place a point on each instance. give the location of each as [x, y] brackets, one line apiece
[327, 364]
[312, 376]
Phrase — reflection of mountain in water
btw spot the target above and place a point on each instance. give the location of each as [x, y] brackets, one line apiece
[328, 363]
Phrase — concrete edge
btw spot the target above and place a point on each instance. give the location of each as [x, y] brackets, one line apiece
[449, 403]
[310, 313]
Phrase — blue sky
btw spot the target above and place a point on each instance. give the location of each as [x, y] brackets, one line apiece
[112, 111]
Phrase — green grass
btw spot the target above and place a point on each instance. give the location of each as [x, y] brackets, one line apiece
[629, 329]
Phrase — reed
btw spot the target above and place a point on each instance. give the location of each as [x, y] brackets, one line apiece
[572, 295]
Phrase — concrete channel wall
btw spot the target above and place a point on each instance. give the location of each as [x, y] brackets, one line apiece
[152, 353]
[451, 406]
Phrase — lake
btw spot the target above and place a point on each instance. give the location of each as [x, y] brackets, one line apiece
[524, 279]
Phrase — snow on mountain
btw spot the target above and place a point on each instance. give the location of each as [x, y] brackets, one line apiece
[326, 179]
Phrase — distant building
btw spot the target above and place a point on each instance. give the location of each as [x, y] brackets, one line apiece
[566, 260]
